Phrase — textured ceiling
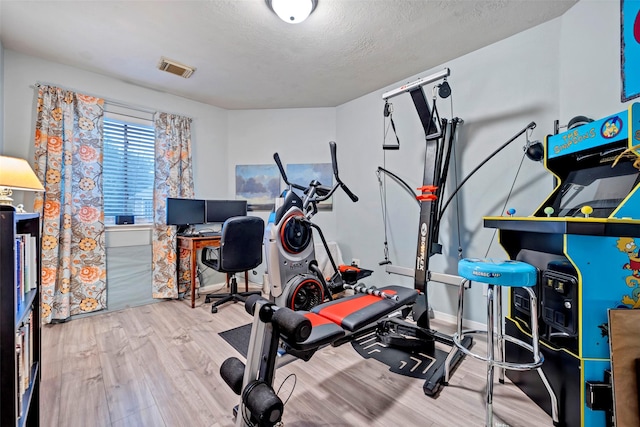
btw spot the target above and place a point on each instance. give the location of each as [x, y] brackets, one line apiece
[247, 58]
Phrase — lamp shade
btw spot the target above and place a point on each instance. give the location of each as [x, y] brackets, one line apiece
[17, 174]
[292, 11]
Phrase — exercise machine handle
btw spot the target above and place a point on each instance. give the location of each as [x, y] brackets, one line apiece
[276, 158]
[334, 163]
[371, 291]
[352, 196]
[334, 157]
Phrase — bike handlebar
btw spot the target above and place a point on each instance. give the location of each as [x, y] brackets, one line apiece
[276, 157]
[334, 162]
[322, 192]
[352, 196]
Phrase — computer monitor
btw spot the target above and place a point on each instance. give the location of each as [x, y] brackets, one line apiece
[184, 212]
[218, 211]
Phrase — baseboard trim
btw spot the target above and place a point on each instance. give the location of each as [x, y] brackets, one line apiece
[466, 323]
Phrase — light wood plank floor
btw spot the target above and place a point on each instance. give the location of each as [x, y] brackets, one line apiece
[157, 365]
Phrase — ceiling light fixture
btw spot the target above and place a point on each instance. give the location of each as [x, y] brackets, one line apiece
[292, 11]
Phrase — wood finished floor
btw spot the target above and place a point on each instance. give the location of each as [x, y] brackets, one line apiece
[157, 365]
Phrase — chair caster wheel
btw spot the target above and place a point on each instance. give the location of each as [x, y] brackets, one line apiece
[214, 309]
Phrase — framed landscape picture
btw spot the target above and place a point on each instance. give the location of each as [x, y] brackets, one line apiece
[259, 185]
[304, 173]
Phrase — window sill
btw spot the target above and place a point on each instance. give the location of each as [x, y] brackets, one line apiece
[128, 227]
[128, 235]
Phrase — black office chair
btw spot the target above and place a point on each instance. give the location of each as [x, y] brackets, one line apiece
[240, 250]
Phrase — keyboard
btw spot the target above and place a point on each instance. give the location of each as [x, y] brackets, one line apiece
[208, 234]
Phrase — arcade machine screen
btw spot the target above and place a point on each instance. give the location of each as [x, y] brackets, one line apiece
[601, 187]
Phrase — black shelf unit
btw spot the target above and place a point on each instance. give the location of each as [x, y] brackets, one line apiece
[23, 409]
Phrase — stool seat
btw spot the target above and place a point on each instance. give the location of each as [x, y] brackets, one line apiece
[498, 272]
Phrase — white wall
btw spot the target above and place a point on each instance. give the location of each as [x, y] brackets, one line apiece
[563, 68]
[209, 144]
[566, 67]
[22, 72]
[297, 135]
[497, 91]
[590, 78]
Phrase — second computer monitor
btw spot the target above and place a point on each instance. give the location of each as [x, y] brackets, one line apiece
[218, 211]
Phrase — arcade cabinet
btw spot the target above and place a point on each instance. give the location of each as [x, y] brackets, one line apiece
[585, 241]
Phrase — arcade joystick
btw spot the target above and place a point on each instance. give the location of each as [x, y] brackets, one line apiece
[511, 212]
[549, 211]
[586, 211]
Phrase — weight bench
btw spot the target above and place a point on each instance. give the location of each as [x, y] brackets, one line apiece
[278, 335]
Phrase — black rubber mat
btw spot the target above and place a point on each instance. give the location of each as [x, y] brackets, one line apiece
[411, 363]
[238, 338]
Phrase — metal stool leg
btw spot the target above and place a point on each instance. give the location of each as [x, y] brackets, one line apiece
[452, 353]
[490, 357]
[500, 326]
[536, 354]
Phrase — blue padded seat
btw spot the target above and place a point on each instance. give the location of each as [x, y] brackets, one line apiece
[498, 272]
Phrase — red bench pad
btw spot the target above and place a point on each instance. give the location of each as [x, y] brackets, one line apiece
[354, 312]
[323, 332]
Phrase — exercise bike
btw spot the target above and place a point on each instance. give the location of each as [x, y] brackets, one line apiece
[295, 279]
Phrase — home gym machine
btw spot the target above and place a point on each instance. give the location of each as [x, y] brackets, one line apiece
[279, 333]
[439, 138]
[295, 280]
[583, 239]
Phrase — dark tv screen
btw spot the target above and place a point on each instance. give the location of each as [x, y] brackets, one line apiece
[601, 187]
[185, 211]
[219, 211]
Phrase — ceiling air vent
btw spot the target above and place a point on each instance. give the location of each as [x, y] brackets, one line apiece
[176, 68]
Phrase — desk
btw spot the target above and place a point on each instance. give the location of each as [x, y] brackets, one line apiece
[193, 244]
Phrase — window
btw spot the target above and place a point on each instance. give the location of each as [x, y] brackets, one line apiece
[128, 165]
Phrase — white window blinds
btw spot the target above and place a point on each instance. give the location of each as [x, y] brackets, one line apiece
[128, 164]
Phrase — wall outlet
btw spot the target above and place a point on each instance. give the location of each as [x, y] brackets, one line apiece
[355, 261]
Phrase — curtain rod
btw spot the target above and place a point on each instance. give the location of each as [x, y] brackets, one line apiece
[112, 101]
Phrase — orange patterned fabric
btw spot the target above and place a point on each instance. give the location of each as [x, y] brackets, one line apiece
[173, 178]
[68, 160]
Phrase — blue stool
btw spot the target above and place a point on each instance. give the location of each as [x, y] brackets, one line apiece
[497, 274]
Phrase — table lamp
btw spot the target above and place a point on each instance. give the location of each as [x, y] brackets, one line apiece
[16, 174]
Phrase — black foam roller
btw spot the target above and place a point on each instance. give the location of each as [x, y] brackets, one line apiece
[292, 325]
[250, 303]
[232, 372]
[263, 403]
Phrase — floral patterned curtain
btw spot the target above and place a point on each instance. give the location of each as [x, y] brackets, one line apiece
[68, 159]
[173, 178]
